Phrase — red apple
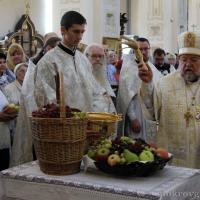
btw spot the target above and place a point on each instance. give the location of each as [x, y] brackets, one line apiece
[102, 154]
[162, 153]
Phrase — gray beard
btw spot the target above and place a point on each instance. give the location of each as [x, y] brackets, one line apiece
[190, 77]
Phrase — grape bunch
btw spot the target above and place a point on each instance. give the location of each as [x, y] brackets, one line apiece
[52, 110]
[48, 111]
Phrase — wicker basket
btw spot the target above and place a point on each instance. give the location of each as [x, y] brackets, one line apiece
[104, 128]
[101, 126]
[59, 143]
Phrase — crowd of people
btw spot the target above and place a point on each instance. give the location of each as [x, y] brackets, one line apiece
[159, 99]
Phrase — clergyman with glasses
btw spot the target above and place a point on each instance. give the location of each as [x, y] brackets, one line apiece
[175, 102]
[128, 102]
[96, 55]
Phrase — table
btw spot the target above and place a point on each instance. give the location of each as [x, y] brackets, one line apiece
[27, 182]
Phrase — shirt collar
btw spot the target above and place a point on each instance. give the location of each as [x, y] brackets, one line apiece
[67, 49]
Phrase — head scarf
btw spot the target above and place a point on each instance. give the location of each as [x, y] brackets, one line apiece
[17, 67]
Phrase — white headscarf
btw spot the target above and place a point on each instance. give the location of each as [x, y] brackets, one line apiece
[18, 66]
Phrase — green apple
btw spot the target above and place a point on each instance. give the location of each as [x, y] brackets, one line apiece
[107, 145]
[102, 154]
[13, 106]
[126, 139]
[107, 141]
[113, 159]
[91, 153]
[146, 155]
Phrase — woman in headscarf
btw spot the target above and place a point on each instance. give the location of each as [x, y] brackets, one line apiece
[15, 56]
[13, 90]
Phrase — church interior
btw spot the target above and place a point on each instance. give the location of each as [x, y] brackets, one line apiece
[99, 99]
[159, 21]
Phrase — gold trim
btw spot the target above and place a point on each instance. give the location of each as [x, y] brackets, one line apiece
[103, 117]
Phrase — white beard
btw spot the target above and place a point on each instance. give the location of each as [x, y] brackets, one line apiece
[99, 72]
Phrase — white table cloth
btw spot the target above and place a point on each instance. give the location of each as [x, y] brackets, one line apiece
[27, 182]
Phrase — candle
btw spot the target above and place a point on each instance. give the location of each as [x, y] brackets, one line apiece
[62, 96]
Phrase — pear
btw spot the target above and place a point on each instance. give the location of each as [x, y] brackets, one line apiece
[129, 156]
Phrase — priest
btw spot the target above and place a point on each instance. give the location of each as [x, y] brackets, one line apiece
[128, 102]
[96, 56]
[175, 103]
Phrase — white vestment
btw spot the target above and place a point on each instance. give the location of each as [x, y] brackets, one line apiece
[81, 89]
[39, 88]
[99, 72]
[129, 103]
[22, 144]
[168, 102]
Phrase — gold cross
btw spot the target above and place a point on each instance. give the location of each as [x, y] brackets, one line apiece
[187, 117]
[27, 7]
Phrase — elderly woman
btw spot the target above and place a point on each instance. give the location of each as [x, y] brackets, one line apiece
[6, 75]
[15, 56]
[13, 90]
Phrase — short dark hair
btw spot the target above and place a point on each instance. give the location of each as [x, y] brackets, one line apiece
[159, 52]
[72, 17]
[2, 56]
[142, 39]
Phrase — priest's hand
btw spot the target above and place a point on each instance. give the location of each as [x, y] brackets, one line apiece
[144, 74]
[8, 114]
[135, 126]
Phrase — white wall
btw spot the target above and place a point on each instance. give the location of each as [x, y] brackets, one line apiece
[93, 10]
[12, 10]
[156, 20]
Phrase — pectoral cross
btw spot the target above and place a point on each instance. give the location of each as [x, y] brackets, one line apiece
[187, 117]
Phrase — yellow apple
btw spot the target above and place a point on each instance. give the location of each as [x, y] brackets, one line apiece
[113, 159]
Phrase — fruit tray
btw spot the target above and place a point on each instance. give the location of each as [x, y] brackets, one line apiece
[125, 156]
[137, 168]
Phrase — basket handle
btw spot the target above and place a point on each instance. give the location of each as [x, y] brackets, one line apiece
[62, 95]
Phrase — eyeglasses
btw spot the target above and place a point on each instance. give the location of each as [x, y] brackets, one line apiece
[144, 49]
[96, 56]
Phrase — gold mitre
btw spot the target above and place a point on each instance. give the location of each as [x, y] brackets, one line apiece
[189, 43]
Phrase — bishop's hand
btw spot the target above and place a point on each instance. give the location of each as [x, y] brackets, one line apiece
[144, 74]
